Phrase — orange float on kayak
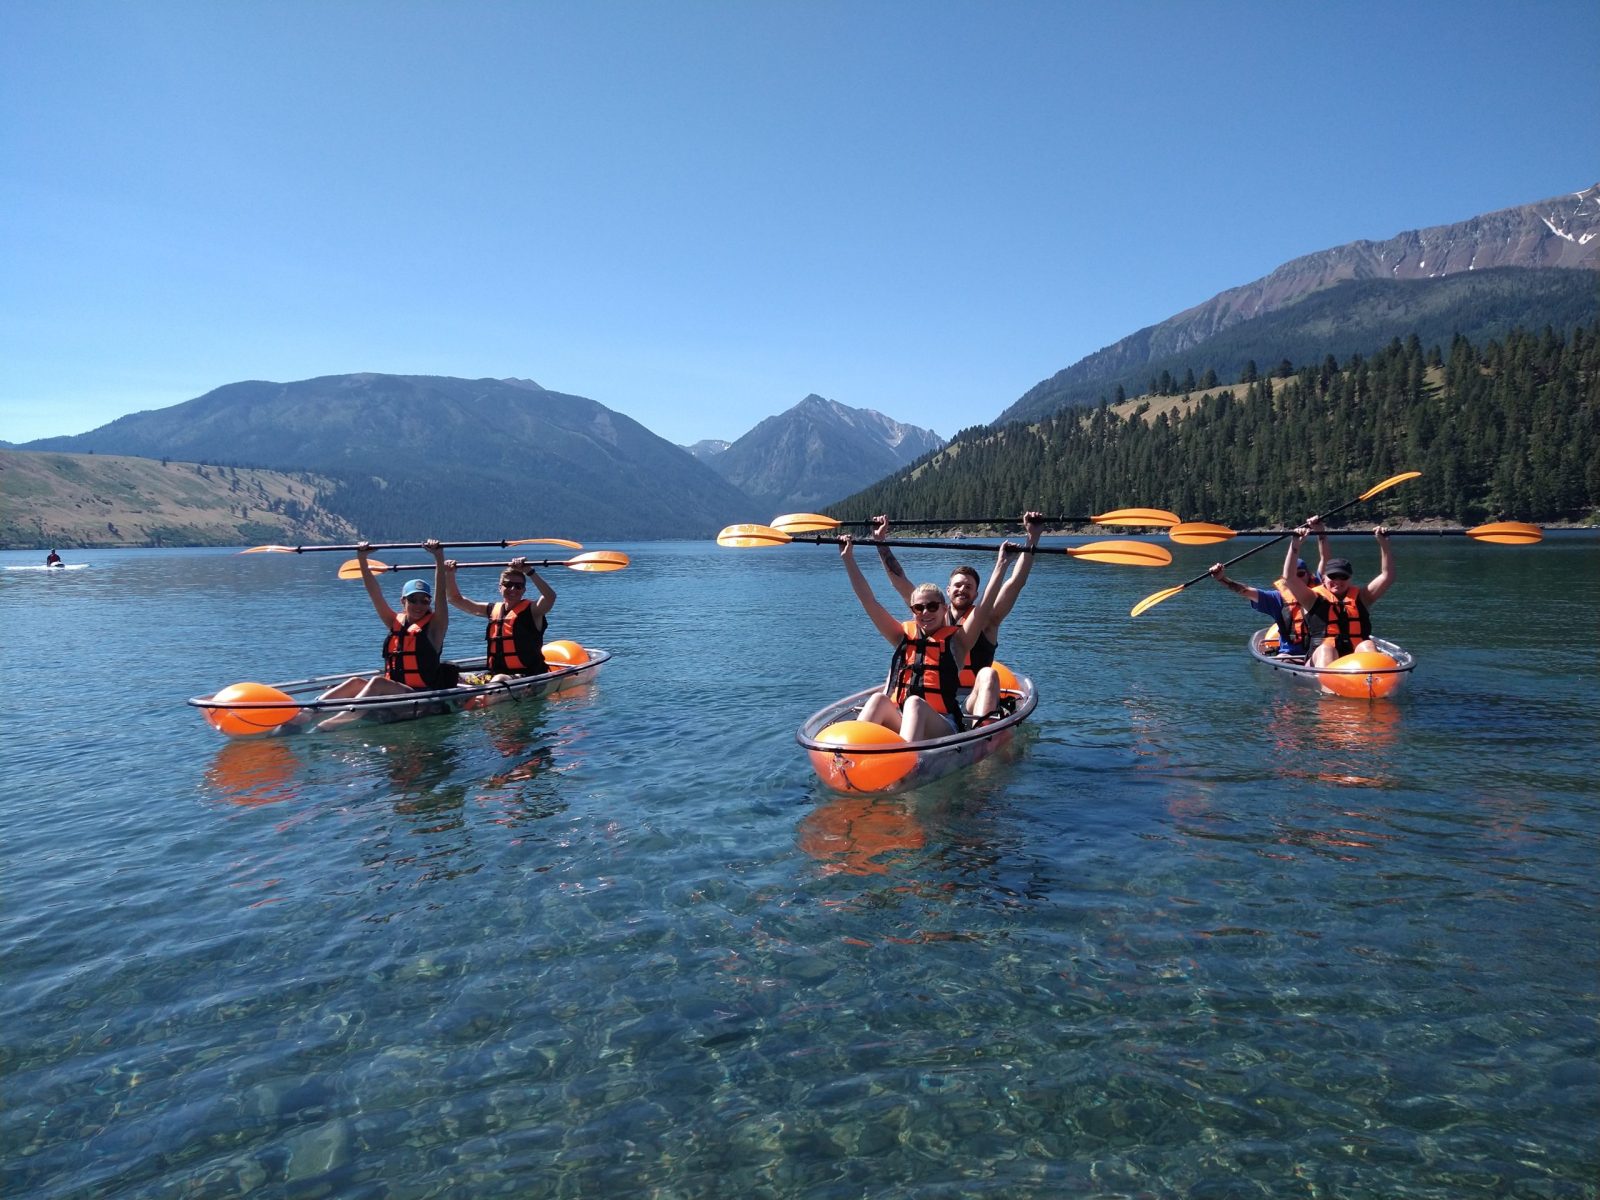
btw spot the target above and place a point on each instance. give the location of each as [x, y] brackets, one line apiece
[248, 721]
[1364, 675]
[565, 653]
[868, 772]
[1008, 679]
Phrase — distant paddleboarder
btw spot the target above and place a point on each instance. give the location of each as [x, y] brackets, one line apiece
[52, 559]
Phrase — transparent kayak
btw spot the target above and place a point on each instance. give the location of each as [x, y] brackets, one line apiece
[1369, 678]
[845, 763]
[246, 710]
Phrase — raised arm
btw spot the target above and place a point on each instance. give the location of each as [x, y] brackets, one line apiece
[1233, 585]
[440, 624]
[1007, 595]
[454, 596]
[891, 564]
[374, 592]
[1291, 580]
[882, 619]
[982, 613]
[1322, 549]
[547, 594]
[1385, 576]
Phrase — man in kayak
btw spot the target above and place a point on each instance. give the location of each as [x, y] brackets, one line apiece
[919, 700]
[977, 671]
[52, 559]
[1279, 603]
[1337, 620]
[412, 653]
[516, 626]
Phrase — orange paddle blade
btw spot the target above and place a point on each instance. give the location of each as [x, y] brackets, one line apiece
[752, 535]
[269, 550]
[1137, 516]
[1123, 554]
[803, 523]
[352, 568]
[567, 542]
[1507, 533]
[1156, 598]
[1199, 533]
[1389, 483]
[598, 561]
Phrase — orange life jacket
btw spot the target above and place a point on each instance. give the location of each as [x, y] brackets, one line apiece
[515, 641]
[409, 655]
[1340, 623]
[923, 666]
[1291, 620]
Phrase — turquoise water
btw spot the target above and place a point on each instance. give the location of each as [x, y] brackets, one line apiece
[1201, 933]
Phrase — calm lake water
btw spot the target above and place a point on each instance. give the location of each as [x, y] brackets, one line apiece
[1202, 933]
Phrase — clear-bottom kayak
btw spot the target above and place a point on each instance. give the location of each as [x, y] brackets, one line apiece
[253, 709]
[1367, 675]
[851, 755]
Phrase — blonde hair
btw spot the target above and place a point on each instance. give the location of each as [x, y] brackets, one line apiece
[927, 589]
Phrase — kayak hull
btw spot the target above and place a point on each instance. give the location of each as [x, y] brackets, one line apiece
[895, 766]
[1360, 681]
[295, 709]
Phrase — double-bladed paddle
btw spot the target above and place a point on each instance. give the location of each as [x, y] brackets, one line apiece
[502, 544]
[1156, 598]
[815, 522]
[1126, 554]
[1503, 533]
[596, 561]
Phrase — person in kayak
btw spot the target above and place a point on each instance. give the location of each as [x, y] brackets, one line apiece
[515, 632]
[1279, 603]
[919, 700]
[52, 559]
[412, 651]
[1337, 617]
[977, 671]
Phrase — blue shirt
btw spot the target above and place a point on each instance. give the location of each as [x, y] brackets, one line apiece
[1269, 603]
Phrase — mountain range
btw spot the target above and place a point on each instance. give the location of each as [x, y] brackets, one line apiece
[1354, 298]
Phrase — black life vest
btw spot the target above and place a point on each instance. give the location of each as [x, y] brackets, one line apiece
[409, 655]
[923, 666]
[980, 656]
[516, 639]
[1341, 623]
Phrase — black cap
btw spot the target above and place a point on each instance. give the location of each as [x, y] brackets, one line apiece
[1338, 566]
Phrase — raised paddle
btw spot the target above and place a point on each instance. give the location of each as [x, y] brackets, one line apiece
[1156, 598]
[1503, 533]
[815, 522]
[502, 544]
[1125, 554]
[595, 561]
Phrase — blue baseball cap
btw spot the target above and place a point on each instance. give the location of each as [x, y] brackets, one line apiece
[413, 586]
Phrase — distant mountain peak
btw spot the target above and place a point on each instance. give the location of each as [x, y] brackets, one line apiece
[819, 451]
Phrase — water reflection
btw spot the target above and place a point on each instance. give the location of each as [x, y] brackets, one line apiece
[861, 835]
[260, 771]
[1350, 743]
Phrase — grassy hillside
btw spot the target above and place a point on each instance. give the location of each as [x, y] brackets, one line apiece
[109, 500]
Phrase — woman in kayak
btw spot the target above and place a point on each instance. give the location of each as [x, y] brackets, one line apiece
[516, 626]
[919, 700]
[412, 651]
[1337, 620]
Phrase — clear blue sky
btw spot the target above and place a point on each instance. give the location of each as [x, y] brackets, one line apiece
[698, 212]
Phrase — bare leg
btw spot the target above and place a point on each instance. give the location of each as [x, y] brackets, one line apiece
[985, 695]
[1324, 654]
[923, 722]
[881, 710]
[376, 686]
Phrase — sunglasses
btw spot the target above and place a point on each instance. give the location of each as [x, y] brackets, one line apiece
[928, 607]
[516, 587]
[418, 598]
[1340, 578]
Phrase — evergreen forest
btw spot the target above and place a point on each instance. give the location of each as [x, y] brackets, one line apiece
[1508, 430]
